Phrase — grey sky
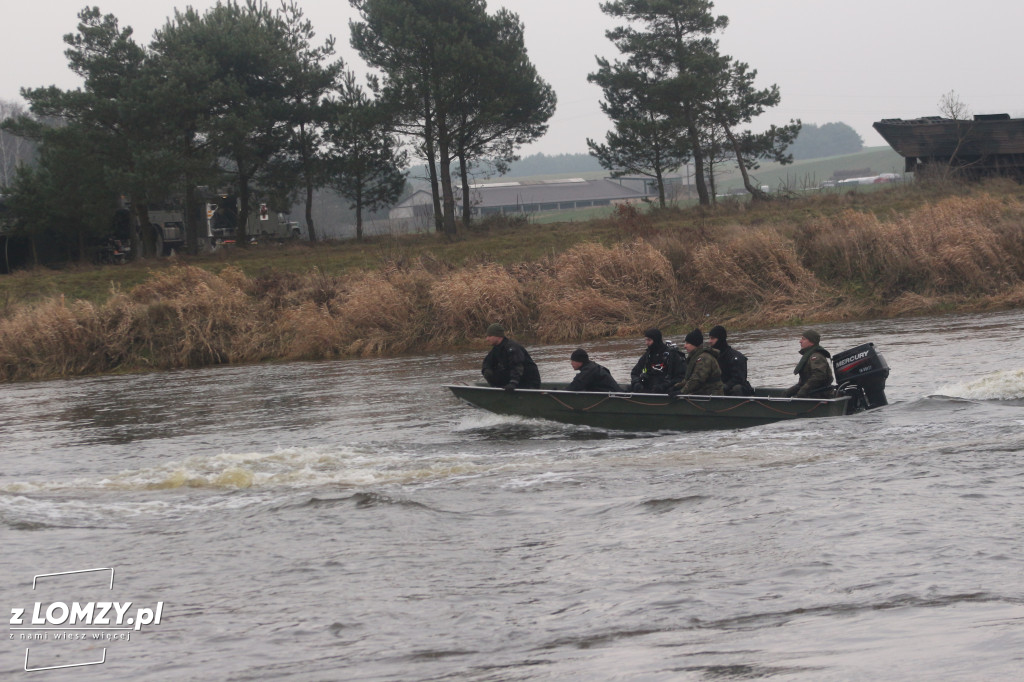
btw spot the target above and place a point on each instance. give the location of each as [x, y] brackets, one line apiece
[855, 62]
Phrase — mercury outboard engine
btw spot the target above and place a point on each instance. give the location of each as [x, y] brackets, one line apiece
[861, 372]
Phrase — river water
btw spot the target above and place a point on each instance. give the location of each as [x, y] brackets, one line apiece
[351, 520]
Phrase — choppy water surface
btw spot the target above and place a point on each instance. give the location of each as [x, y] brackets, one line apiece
[351, 520]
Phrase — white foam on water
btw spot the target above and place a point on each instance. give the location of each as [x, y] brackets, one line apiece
[483, 420]
[538, 480]
[78, 513]
[1004, 385]
[284, 467]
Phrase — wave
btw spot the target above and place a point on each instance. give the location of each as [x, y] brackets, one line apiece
[286, 467]
[25, 513]
[1002, 385]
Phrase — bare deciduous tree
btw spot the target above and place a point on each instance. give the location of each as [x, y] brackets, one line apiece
[951, 106]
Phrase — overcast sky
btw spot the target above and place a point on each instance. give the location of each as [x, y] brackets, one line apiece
[854, 61]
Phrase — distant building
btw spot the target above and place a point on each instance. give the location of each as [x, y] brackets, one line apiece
[855, 173]
[521, 197]
[675, 187]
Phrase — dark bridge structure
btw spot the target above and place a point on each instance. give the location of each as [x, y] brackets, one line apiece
[988, 144]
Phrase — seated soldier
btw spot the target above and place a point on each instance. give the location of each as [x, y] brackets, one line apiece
[508, 365]
[814, 369]
[592, 376]
[732, 362]
[703, 375]
[659, 368]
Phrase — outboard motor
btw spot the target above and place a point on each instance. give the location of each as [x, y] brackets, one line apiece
[862, 372]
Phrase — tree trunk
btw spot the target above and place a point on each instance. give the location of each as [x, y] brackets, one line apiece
[755, 192]
[241, 228]
[359, 211]
[448, 194]
[467, 209]
[435, 191]
[309, 212]
[712, 185]
[428, 148]
[449, 197]
[143, 244]
[698, 159]
[191, 216]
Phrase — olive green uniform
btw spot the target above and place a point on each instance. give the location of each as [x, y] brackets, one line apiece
[703, 373]
[815, 373]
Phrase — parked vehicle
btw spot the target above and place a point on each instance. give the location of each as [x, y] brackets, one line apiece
[263, 224]
[217, 222]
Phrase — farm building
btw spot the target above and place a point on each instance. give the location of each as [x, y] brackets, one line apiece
[521, 197]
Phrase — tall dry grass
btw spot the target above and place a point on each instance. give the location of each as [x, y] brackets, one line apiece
[188, 317]
[52, 340]
[960, 245]
[760, 268]
[465, 301]
[593, 291]
[964, 249]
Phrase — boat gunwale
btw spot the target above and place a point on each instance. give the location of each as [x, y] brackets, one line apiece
[627, 394]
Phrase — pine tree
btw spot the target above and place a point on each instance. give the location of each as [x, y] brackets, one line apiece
[315, 79]
[242, 74]
[111, 112]
[646, 140]
[366, 166]
[458, 81]
[671, 39]
[738, 103]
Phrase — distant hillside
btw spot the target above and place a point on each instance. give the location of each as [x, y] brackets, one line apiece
[541, 164]
[536, 165]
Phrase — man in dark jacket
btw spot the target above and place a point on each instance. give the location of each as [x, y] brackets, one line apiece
[508, 365]
[592, 376]
[703, 375]
[814, 369]
[659, 368]
[732, 362]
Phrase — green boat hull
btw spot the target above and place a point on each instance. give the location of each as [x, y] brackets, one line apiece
[648, 411]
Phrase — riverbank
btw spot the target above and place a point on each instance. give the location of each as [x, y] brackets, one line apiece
[911, 250]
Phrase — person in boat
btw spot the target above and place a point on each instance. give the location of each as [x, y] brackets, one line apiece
[703, 375]
[592, 376]
[508, 365]
[660, 367]
[732, 362]
[814, 369]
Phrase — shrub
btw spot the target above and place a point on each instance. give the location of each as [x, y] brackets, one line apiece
[631, 220]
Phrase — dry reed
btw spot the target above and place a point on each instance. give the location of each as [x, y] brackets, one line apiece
[464, 302]
[593, 290]
[960, 245]
[966, 250]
